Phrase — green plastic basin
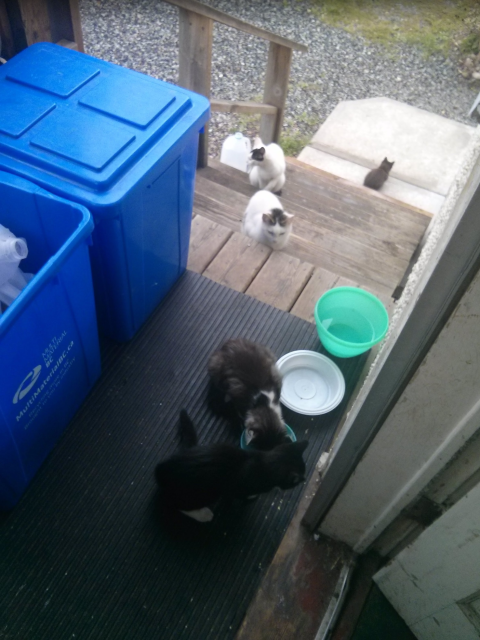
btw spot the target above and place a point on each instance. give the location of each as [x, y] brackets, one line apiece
[350, 321]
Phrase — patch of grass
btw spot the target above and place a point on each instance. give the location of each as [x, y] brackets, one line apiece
[246, 123]
[308, 119]
[308, 86]
[293, 144]
[436, 26]
[470, 44]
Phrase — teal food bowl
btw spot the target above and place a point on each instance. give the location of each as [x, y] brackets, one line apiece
[248, 447]
[350, 321]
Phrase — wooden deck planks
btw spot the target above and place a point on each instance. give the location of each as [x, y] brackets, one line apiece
[380, 253]
[238, 262]
[206, 240]
[281, 280]
[324, 243]
[322, 182]
[216, 212]
[320, 281]
[318, 214]
[342, 235]
[336, 193]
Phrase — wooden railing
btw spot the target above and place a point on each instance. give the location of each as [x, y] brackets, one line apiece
[195, 68]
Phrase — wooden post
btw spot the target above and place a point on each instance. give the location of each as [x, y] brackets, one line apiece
[276, 89]
[29, 22]
[8, 46]
[65, 22]
[195, 65]
[24, 22]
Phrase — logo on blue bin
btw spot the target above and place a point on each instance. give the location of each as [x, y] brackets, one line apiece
[27, 383]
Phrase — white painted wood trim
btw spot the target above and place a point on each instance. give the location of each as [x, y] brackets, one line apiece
[457, 438]
[426, 580]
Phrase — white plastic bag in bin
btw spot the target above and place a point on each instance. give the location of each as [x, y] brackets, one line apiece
[12, 279]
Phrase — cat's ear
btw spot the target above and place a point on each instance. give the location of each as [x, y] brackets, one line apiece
[259, 400]
[249, 436]
[187, 431]
[289, 217]
[268, 219]
[257, 143]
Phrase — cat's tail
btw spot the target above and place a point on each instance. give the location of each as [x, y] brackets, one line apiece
[186, 431]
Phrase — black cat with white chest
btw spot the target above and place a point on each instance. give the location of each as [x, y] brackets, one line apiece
[245, 387]
[196, 478]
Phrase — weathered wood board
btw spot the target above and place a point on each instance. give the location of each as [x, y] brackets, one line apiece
[206, 240]
[343, 235]
[238, 262]
[281, 280]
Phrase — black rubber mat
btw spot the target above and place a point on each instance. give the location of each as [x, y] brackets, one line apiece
[87, 553]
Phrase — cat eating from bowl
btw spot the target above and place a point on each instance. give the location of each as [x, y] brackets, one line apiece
[197, 477]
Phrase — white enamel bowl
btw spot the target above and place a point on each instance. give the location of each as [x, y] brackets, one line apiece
[312, 383]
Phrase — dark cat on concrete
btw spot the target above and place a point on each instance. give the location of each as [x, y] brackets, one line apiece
[377, 177]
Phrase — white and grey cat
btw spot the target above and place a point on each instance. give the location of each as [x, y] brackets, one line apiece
[266, 166]
[265, 220]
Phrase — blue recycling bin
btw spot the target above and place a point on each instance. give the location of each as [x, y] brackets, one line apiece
[120, 143]
[49, 350]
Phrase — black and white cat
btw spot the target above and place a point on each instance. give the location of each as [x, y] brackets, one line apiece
[245, 386]
[265, 220]
[194, 479]
[266, 166]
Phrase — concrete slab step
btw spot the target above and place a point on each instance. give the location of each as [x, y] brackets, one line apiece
[397, 189]
[427, 149]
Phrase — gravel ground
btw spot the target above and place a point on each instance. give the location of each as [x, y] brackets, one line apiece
[143, 35]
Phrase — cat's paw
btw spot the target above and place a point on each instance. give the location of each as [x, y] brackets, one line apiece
[200, 515]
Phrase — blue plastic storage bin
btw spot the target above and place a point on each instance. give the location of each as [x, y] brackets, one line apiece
[122, 144]
[49, 352]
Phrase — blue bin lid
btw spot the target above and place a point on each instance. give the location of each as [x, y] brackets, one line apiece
[72, 122]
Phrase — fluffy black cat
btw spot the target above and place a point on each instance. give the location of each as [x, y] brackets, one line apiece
[245, 387]
[199, 476]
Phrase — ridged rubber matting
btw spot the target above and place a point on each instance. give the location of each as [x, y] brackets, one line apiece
[88, 553]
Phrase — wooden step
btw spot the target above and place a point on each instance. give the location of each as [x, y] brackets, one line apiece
[343, 234]
[317, 237]
[353, 205]
[206, 240]
[325, 176]
[274, 277]
[328, 185]
[333, 215]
